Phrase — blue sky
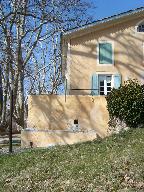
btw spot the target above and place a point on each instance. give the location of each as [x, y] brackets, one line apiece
[105, 8]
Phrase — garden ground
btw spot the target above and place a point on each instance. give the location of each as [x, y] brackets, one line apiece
[113, 164]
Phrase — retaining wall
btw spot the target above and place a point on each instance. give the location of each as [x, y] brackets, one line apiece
[51, 119]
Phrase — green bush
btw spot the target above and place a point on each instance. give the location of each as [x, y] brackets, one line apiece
[127, 103]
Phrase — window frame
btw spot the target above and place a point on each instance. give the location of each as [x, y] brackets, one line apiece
[98, 55]
[140, 32]
[105, 86]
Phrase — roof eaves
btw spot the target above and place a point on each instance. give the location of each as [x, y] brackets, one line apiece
[104, 20]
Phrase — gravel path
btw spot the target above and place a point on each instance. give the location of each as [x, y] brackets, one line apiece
[5, 138]
[17, 149]
[4, 144]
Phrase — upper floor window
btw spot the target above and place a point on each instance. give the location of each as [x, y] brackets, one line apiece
[105, 53]
[140, 27]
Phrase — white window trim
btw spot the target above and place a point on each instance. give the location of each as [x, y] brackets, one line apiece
[105, 84]
[137, 27]
[68, 71]
[105, 64]
[105, 87]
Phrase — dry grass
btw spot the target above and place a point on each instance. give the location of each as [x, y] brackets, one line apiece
[113, 164]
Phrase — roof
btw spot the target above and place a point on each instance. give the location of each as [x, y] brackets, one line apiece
[104, 20]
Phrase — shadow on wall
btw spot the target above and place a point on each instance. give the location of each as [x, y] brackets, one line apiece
[51, 112]
[128, 55]
[48, 139]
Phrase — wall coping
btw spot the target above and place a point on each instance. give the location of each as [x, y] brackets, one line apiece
[58, 131]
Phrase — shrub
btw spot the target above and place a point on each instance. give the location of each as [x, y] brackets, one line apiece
[127, 104]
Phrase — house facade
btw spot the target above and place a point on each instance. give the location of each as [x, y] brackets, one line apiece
[95, 58]
[104, 54]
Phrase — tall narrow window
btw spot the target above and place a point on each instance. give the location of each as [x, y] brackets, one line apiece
[105, 84]
[105, 53]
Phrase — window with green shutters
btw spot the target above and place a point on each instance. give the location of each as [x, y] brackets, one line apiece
[102, 84]
[105, 53]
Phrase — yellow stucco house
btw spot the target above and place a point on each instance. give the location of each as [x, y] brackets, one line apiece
[95, 58]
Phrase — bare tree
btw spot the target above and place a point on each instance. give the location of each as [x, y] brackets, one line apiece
[30, 49]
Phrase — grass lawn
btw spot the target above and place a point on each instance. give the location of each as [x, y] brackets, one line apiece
[112, 164]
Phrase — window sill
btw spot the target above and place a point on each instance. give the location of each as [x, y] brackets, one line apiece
[111, 64]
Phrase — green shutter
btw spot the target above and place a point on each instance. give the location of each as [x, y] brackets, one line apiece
[105, 53]
[117, 81]
[94, 84]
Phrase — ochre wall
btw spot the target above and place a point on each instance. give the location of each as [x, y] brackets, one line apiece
[128, 55]
[51, 119]
[51, 112]
[47, 138]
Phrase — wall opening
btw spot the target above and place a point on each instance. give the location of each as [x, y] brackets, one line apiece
[76, 121]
